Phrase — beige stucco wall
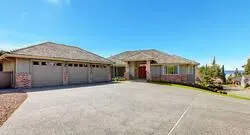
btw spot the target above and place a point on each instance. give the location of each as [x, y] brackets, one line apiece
[23, 65]
[8, 65]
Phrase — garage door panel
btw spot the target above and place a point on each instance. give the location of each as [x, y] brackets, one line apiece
[46, 75]
[78, 75]
[100, 74]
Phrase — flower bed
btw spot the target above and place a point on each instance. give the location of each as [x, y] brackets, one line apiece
[9, 102]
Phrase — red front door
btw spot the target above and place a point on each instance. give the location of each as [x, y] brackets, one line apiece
[142, 72]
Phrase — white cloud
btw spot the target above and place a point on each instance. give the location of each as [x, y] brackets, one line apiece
[57, 2]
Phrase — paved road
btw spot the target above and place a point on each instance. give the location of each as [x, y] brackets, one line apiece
[129, 108]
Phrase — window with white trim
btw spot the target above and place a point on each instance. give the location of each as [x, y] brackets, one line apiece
[190, 69]
[171, 69]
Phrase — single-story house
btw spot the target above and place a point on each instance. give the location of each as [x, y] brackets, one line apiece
[153, 65]
[51, 64]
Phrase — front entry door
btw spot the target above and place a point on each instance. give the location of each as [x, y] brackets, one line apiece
[142, 72]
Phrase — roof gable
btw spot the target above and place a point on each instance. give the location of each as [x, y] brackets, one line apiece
[53, 50]
[158, 56]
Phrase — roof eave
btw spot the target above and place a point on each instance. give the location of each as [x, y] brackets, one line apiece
[127, 60]
[51, 58]
[2, 56]
[196, 64]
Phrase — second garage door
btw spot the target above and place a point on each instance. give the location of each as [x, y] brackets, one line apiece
[46, 74]
[100, 73]
[78, 73]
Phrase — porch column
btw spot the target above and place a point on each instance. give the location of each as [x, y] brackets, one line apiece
[148, 71]
[126, 74]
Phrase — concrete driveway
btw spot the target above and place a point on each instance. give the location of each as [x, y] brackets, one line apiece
[129, 108]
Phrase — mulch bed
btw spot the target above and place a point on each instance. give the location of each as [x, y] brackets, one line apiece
[9, 102]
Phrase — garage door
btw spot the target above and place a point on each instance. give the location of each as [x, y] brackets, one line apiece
[46, 74]
[78, 73]
[100, 73]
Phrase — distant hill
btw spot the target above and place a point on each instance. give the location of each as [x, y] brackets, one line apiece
[231, 72]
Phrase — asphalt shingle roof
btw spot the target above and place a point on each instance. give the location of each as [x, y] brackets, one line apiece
[54, 50]
[158, 56]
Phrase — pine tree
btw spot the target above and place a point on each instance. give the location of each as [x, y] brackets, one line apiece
[223, 75]
[237, 73]
[2, 52]
[247, 67]
[214, 61]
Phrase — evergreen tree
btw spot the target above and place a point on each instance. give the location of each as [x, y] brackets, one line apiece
[247, 67]
[223, 75]
[214, 61]
[2, 52]
[237, 73]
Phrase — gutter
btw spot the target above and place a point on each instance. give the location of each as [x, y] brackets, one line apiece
[51, 58]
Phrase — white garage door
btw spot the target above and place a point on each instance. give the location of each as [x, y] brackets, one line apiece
[78, 73]
[100, 73]
[46, 74]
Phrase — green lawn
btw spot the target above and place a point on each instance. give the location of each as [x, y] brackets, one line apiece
[202, 90]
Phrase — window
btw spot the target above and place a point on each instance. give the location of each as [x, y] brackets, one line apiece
[97, 66]
[80, 65]
[66, 65]
[85, 65]
[70, 65]
[93, 66]
[44, 63]
[75, 65]
[104, 66]
[59, 64]
[171, 69]
[1, 67]
[35, 63]
[190, 69]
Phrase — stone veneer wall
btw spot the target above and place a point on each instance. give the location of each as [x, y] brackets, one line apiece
[189, 79]
[23, 80]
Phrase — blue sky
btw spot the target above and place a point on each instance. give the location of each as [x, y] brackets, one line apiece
[195, 29]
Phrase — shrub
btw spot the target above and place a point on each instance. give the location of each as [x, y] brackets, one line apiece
[213, 88]
[118, 79]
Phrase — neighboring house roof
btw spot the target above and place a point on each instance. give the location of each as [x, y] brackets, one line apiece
[238, 79]
[158, 56]
[58, 51]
